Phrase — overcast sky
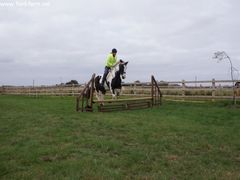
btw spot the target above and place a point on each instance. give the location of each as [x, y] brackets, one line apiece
[55, 41]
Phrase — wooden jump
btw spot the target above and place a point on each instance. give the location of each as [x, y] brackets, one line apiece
[124, 104]
[86, 98]
[123, 100]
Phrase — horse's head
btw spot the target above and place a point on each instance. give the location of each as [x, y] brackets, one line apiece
[123, 69]
[115, 77]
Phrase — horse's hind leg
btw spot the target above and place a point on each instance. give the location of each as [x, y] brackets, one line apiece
[100, 97]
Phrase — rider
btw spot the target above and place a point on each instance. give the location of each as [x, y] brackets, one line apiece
[110, 62]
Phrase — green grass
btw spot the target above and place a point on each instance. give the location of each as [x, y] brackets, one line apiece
[44, 138]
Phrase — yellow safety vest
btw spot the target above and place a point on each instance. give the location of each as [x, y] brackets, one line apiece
[111, 60]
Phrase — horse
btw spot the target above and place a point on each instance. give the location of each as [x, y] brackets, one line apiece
[113, 81]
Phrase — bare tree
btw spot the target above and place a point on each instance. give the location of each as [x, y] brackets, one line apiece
[222, 55]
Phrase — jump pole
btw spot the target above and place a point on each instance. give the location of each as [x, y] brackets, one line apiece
[86, 98]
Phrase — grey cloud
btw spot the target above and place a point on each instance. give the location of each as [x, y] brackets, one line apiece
[70, 40]
[6, 60]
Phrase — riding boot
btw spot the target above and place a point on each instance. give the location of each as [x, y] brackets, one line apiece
[105, 75]
[103, 80]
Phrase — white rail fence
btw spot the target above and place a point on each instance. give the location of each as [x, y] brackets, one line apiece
[214, 89]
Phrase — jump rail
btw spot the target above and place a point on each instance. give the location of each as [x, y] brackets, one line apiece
[86, 98]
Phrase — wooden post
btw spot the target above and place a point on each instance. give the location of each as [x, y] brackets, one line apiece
[134, 88]
[82, 103]
[213, 89]
[237, 88]
[91, 92]
[152, 93]
[183, 88]
[235, 94]
[72, 93]
[156, 93]
[77, 104]
[84, 95]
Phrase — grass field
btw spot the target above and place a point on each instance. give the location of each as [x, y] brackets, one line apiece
[44, 138]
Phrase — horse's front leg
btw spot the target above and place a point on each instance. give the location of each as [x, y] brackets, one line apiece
[119, 92]
[113, 92]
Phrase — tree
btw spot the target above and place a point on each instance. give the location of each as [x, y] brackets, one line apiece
[72, 82]
[222, 55]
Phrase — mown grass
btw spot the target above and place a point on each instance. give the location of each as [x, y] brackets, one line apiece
[44, 138]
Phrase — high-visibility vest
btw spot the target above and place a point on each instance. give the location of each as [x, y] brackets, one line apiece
[111, 60]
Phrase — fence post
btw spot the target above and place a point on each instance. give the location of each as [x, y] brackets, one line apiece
[135, 88]
[183, 88]
[1, 90]
[152, 91]
[72, 89]
[237, 88]
[235, 94]
[213, 89]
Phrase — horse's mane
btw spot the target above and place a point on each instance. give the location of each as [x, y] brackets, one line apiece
[115, 68]
[115, 65]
